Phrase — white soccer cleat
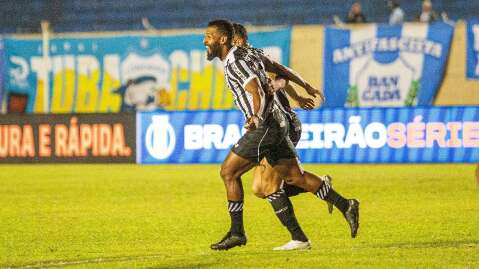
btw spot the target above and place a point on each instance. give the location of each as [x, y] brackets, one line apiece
[294, 245]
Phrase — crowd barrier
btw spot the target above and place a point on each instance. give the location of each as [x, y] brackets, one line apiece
[343, 135]
[354, 135]
[56, 138]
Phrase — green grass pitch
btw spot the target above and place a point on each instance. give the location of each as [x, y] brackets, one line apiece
[165, 216]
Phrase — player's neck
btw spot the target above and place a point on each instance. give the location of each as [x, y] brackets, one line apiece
[224, 52]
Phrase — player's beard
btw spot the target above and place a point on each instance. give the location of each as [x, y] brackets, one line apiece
[213, 52]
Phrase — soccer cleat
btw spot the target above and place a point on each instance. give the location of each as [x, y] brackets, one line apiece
[352, 216]
[229, 241]
[328, 180]
[294, 245]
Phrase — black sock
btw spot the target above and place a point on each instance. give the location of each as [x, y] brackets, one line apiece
[235, 208]
[292, 190]
[327, 193]
[284, 211]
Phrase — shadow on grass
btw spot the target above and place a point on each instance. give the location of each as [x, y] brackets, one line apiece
[431, 244]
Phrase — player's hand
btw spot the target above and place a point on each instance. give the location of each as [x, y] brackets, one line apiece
[306, 103]
[315, 93]
[312, 90]
[277, 84]
[251, 123]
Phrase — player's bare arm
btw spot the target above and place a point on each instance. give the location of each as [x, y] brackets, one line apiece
[282, 83]
[303, 102]
[254, 89]
[279, 69]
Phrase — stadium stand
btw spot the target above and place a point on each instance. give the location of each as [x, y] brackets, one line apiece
[109, 15]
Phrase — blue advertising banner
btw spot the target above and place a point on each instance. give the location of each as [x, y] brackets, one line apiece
[383, 65]
[187, 137]
[125, 73]
[472, 60]
[343, 135]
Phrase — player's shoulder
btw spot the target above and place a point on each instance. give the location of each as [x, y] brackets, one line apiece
[258, 52]
[246, 54]
[239, 53]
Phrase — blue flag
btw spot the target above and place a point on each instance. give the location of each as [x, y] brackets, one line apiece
[472, 70]
[382, 65]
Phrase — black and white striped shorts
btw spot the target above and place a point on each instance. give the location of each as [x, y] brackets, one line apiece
[270, 140]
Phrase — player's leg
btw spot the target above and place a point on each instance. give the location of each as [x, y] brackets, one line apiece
[270, 180]
[231, 170]
[292, 190]
[295, 130]
[294, 133]
[286, 164]
[295, 175]
[262, 187]
[247, 152]
[267, 183]
[265, 180]
[257, 184]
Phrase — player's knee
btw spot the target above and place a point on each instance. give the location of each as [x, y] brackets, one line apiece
[270, 189]
[294, 179]
[294, 175]
[258, 191]
[289, 180]
[226, 173]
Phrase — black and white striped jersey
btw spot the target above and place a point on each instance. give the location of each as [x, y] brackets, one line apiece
[241, 66]
[283, 102]
[280, 96]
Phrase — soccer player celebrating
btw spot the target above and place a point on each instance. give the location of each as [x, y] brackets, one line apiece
[266, 183]
[267, 135]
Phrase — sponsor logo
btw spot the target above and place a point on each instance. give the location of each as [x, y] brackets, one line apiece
[210, 136]
[145, 82]
[160, 137]
[396, 135]
[391, 84]
[50, 138]
[384, 44]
